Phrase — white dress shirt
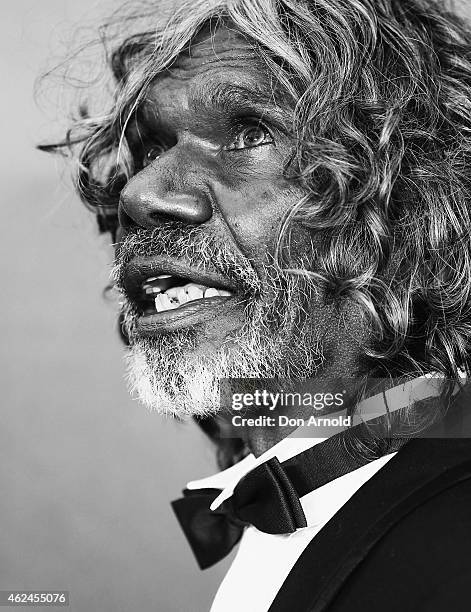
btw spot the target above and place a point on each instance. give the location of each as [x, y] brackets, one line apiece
[263, 561]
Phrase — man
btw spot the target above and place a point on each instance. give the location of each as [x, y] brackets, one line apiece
[287, 184]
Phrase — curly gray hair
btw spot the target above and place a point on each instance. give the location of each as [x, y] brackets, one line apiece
[382, 98]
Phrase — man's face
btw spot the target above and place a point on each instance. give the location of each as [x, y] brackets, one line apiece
[199, 221]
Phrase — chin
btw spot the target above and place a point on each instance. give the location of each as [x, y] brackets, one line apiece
[179, 373]
[176, 392]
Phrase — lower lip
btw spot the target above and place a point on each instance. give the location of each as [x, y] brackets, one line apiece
[188, 315]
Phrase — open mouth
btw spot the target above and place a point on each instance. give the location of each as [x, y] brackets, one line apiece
[169, 292]
[163, 289]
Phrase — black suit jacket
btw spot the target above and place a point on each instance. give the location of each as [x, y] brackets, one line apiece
[402, 543]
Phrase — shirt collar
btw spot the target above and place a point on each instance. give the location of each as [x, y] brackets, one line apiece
[397, 397]
[227, 479]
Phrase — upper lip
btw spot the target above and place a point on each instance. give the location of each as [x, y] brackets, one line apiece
[139, 269]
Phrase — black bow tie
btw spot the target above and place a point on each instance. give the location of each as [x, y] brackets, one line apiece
[265, 498]
[268, 497]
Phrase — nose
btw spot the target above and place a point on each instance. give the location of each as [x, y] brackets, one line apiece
[154, 195]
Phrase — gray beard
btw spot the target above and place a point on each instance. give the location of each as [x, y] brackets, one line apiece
[170, 375]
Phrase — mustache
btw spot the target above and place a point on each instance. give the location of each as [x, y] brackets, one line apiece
[191, 244]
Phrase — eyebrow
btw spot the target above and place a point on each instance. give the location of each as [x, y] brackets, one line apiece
[235, 99]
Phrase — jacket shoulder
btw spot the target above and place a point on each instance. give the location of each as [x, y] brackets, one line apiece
[421, 563]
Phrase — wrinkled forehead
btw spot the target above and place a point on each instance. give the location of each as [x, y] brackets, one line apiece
[218, 48]
[220, 68]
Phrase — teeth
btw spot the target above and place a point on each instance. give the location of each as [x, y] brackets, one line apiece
[152, 279]
[182, 296]
[162, 302]
[157, 284]
[211, 292]
[177, 296]
[172, 292]
[158, 304]
[194, 292]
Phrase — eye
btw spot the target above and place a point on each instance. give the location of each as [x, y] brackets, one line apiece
[251, 136]
[152, 153]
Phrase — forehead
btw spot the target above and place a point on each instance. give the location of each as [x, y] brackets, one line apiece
[218, 67]
[216, 48]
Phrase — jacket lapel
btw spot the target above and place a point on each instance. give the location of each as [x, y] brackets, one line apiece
[421, 470]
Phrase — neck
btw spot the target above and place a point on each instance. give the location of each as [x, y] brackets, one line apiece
[341, 362]
[261, 436]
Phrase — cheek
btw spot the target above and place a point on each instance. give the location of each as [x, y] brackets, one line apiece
[253, 214]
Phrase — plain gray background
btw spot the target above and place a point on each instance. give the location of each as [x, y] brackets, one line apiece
[86, 474]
